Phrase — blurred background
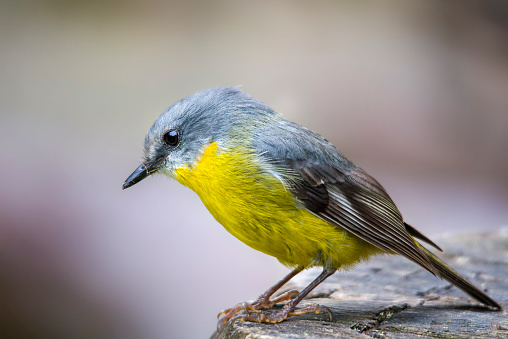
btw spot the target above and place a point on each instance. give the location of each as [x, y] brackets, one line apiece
[414, 92]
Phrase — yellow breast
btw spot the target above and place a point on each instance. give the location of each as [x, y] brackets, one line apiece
[254, 206]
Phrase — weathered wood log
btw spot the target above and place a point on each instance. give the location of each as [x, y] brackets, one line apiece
[389, 296]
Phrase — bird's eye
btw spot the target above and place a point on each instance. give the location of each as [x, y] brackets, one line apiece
[171, 137]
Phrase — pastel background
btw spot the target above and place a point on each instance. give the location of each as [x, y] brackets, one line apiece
[414, 92]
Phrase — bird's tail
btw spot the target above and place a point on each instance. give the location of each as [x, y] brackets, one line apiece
[449, 274]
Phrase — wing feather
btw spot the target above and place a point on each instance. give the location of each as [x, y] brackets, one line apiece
[358, 204]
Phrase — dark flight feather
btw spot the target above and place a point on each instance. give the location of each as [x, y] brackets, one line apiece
[418, 235]
[449, 274]
[359, 205]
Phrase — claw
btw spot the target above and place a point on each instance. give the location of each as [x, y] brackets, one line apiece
[260, 304]
[262, 316]
[312, 308]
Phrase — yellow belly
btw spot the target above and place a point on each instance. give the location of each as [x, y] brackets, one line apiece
[256, 208]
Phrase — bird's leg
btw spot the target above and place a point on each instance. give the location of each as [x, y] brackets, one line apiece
[289, 309]
[263, 301]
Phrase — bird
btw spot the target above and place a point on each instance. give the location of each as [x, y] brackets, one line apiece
[283, 190]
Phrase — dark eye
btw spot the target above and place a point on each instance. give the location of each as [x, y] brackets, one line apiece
[171, 137]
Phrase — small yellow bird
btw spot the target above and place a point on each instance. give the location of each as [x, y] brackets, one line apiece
[282, 190]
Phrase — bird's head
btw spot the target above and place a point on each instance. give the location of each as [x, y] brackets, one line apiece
[180, 134]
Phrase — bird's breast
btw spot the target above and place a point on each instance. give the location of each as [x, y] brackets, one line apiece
[254, 206]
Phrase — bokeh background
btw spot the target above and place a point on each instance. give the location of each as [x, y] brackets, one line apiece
[414, 92]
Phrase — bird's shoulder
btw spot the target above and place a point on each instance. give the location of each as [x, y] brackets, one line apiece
[314, 161]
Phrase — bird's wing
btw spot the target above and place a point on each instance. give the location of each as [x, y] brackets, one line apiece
[337, 191]
[356, 202]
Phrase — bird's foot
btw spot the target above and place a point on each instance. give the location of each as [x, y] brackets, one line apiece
[261, 303]
[288, 310]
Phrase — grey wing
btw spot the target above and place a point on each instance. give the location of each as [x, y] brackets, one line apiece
[339, 192]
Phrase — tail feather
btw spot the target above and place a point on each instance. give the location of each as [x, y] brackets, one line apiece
[417, 234]
[449, 274]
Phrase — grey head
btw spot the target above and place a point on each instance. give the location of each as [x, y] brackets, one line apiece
[179, 135]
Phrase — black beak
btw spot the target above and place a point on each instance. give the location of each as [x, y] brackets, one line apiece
[140, 173]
